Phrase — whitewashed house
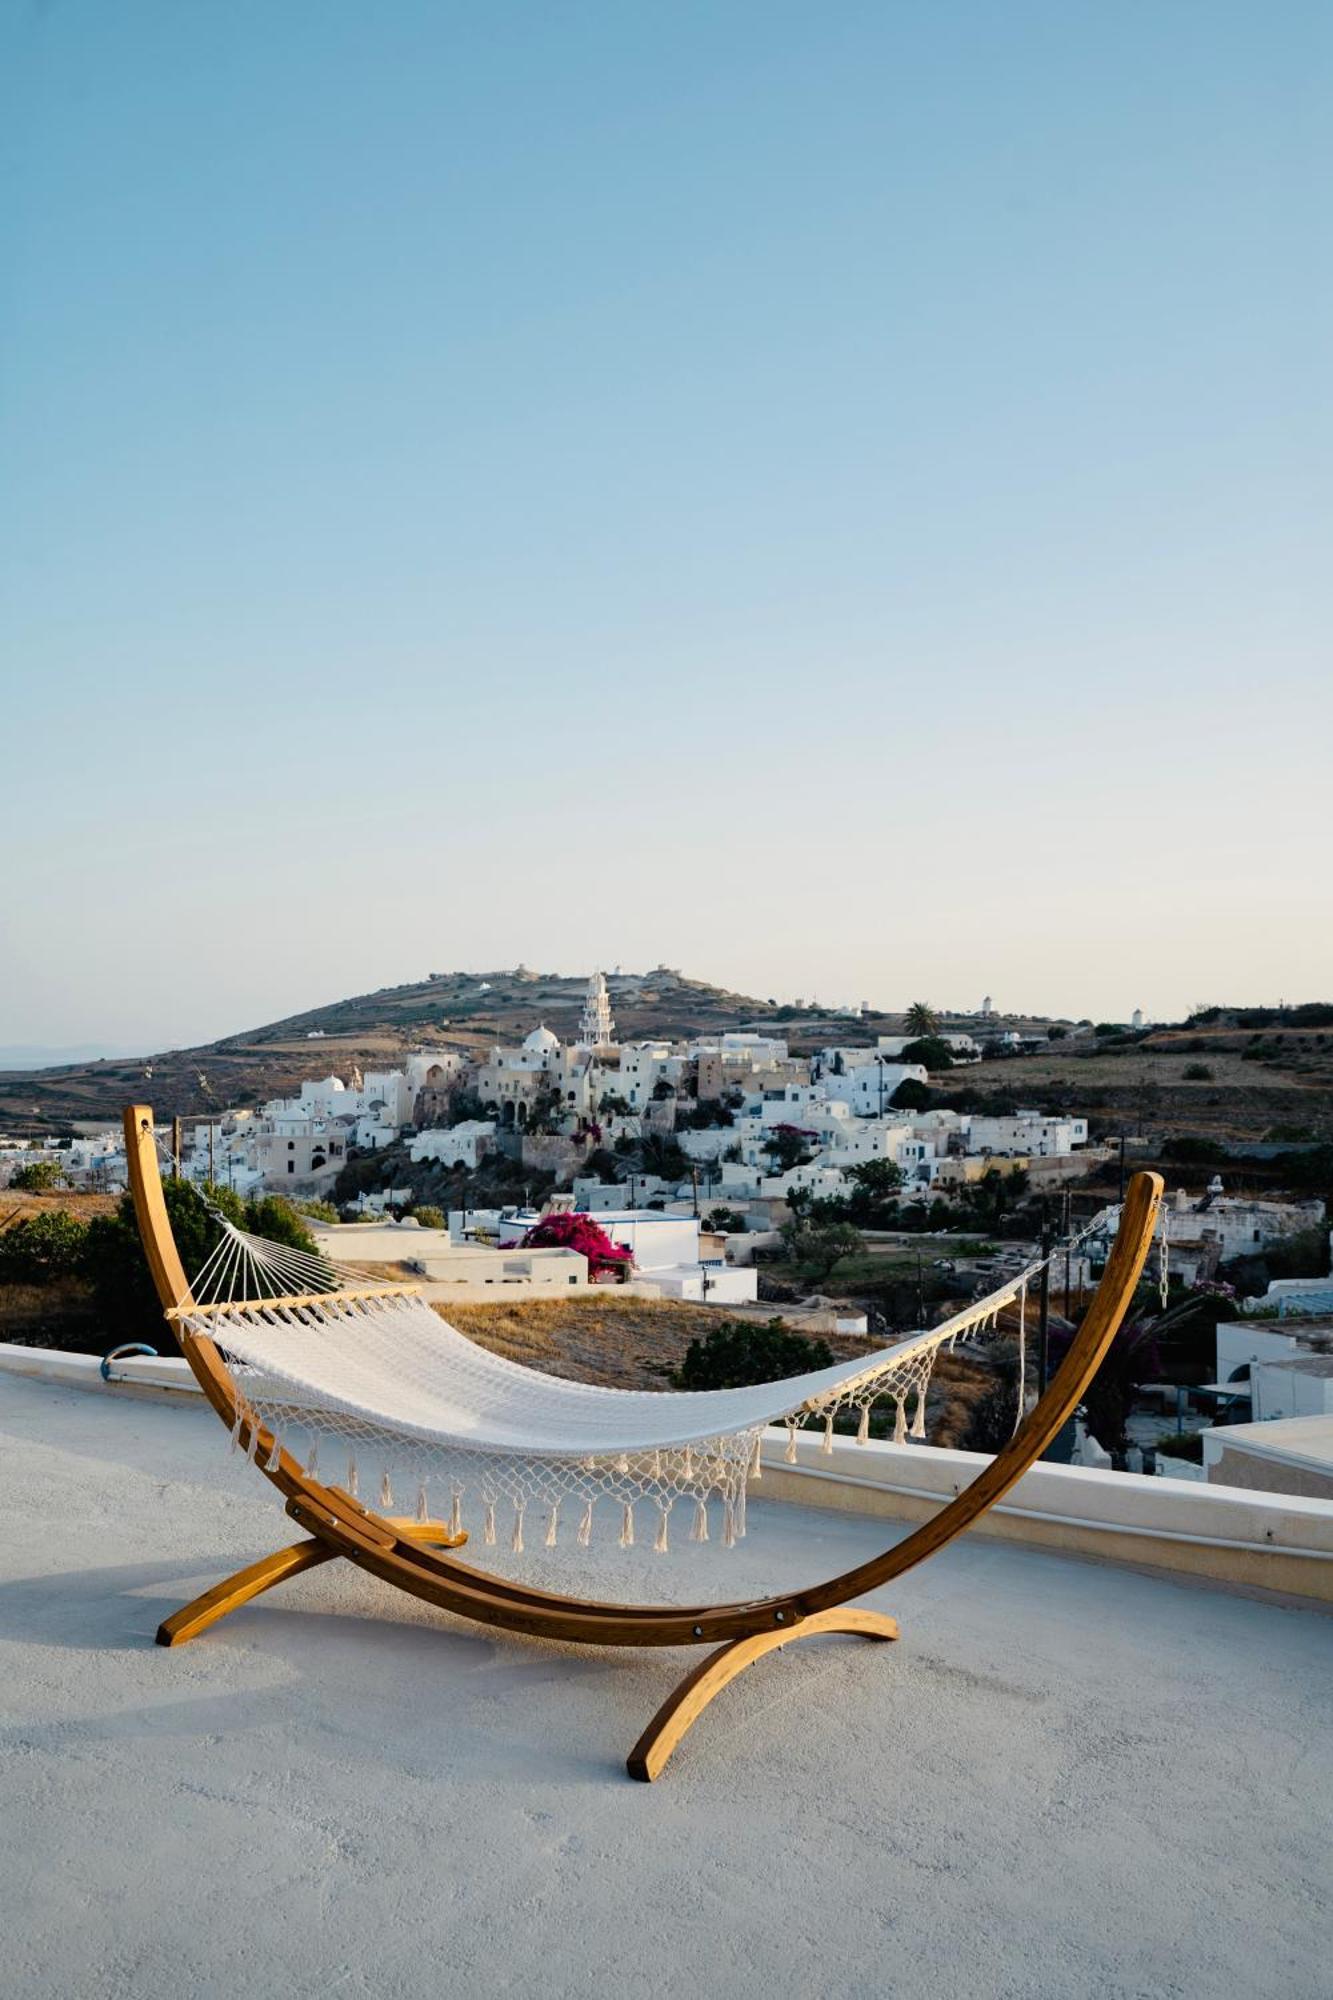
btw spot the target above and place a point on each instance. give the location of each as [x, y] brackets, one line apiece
[643, 1065]
[867, 1083]
[1025, 1132]
[1296, 1385]
[463, 1145]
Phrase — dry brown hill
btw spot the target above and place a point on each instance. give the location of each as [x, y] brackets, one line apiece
[469, 1011]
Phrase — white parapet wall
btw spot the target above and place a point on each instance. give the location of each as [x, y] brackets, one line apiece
[139, 1374]
[1265, 1541]
[1228, 1535]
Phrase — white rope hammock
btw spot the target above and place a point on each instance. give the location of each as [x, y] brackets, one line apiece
[373, 1379]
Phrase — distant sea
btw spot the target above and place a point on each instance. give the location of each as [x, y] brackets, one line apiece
[29, 1055]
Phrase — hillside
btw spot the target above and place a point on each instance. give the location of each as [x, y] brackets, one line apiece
[1223, 1078]
[1206, 1086]
[465, 1011]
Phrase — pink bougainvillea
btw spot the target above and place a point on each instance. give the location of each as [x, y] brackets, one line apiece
[581, 1233]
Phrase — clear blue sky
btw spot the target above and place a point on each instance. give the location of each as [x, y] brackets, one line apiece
[836, 498]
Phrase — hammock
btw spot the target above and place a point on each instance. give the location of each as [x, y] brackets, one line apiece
[326, 1357]
[336, 1368]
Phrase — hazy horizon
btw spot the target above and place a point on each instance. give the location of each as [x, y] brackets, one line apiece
[21, 1056]
[838, 501]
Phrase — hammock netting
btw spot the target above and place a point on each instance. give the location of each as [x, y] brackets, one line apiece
[370, 1389]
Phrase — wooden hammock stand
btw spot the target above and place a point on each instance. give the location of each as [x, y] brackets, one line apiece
[411, 1554]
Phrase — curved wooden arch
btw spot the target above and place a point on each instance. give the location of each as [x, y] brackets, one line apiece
[410, 1556]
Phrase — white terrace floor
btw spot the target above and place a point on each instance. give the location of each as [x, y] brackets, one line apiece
[1065, 1780]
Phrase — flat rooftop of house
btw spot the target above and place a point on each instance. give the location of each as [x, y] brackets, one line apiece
[1066, 1778]
[1303, 1441]
[1290, 1322]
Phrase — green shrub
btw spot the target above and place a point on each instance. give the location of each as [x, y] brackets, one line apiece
[990, 1422]
[737, 1353]
[1192, 1151]
[1189, 1446]
[114, 1263]
[38, 1177]
[42, 1247]
[430, 1218]
[316, 1211]
[929, 1051]
[1197, 1073]
[817, 1247]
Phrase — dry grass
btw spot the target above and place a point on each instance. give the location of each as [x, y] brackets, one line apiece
[638, 1343]
[622, 1343]
[17, 1205]
[1144, 1088]
[62, 1314]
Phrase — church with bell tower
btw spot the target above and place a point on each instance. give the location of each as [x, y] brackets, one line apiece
[596, 1028]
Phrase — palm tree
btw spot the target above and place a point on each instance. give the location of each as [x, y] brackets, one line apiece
[922, 1019]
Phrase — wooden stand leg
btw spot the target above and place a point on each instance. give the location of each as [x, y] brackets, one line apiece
[683, 1708]
[192, 1619]
[247, 1584]
[261, 1577]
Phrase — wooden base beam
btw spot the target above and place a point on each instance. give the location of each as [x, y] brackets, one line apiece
[682, 1709]
[247, 1584]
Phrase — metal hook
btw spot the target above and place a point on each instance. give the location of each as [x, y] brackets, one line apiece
[118, 1353]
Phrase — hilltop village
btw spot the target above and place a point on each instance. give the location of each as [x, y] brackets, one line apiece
[734, 1115]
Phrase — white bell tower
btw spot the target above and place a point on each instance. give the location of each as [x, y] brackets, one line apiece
[596, 1028]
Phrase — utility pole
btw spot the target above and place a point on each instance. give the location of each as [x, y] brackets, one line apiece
[1044, 1318]
[176, 1148]
[212, 1128]
[694, 1182]
[1067, 1224]
[1122, 1164]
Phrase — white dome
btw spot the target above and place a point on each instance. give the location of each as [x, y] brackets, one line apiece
[541, 1042]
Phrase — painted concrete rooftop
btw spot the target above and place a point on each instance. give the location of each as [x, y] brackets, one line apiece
[1065, 1779]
